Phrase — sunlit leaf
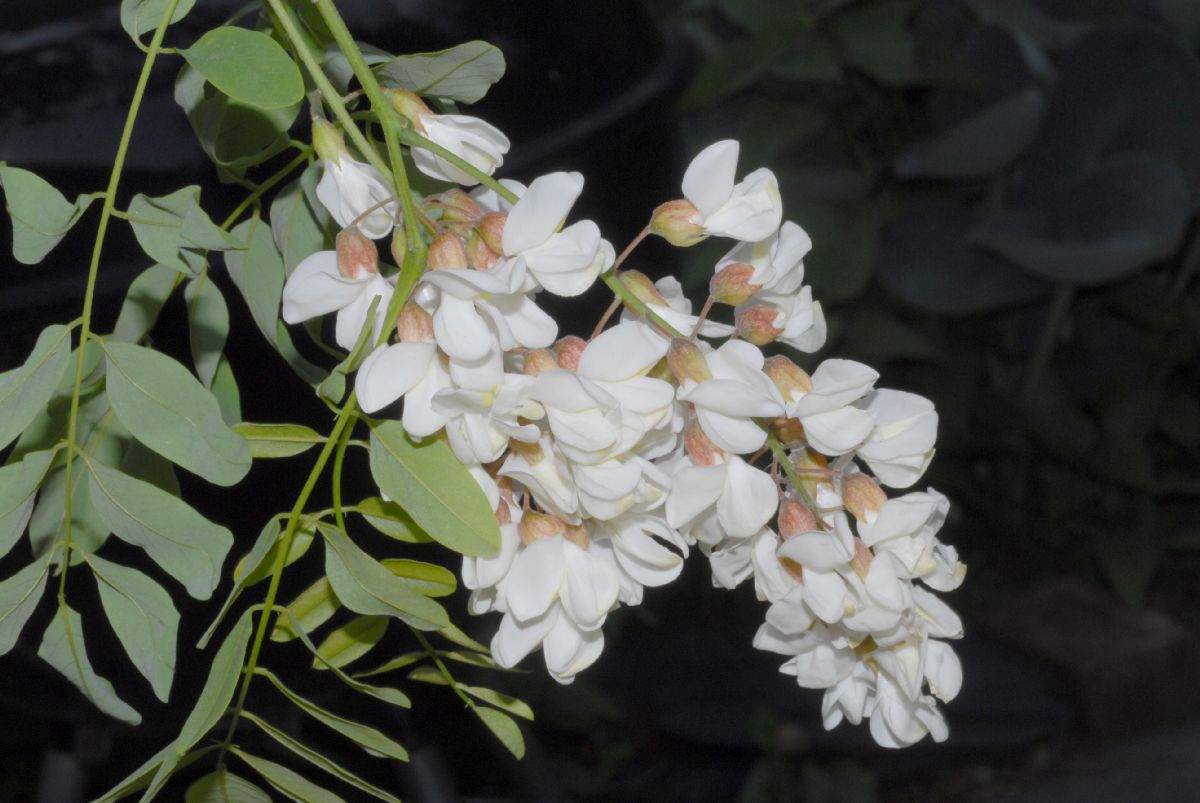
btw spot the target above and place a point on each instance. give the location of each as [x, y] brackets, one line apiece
[351, 641]
[310, 609]
[278, 440]
[424, 578]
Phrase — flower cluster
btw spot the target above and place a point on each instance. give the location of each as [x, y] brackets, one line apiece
[607, 460]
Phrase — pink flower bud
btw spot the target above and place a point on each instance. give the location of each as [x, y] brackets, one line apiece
[479, 256]
[491, 229]
[538, 361]
[795, 518]
[861, 562]
[756, 324]
[862, 496]
[674, 222]
[700, 448]
[687, 361]
[356, 253]
[327, 141]
[535, 526]
[409, 105]
[447, 251]
[731, 284]
[414, 325]
[642, 288]
[458, 207]
[569, 349]
[790, 378]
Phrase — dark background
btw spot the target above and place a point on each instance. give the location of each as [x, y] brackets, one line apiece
[1002, 196]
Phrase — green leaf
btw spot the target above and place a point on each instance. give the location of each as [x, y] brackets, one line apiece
[139, 17]
[225, 390]
[391, 520]
[502, 701]
[980, 145]
[285, 780]
[399, 662]
[463, 73]
[258, 272]
[278, 440]
[429, 482]
[845, 242]
[364, 585]
[384, 693]
[41, 216]
[167, 225]
[311, 609]
[141, 777]
[167, 409]
[185, 544]
[298, 223]
[370, 739]
[424, 578]
[46, 525]
[293, 784]
[255, 567]
[144, 618]
[248, 66]
[351, 641]
[454, 634]
[223, 676]
[19, 597]
[62, 647]
[24, 391]
[876, 39]
[18, 483]
[222, 786]
[208, 326]
[504, 728]
[143, 302]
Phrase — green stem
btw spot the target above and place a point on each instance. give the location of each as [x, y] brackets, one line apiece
[634, 303]
[338, 457]
[1059, 305]
[411, 138]
[344, 420]
[441, 666]
[785, 462]
[106, 213]
[250, 199]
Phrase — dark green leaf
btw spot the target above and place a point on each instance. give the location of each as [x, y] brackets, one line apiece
[845, 242]
[278, 440]
[222, 786]
[185, 544]
[19, 596]
[429, 482]
[24, 391]
[142, 16]
[62, 647]
[463, 73]
[285, 780]
[41, 216]
[248, 66]
[350, 642]
[144, 618]
[876, 39]
[370, 739]
[364, 585]
[208, 326]
[164, 407]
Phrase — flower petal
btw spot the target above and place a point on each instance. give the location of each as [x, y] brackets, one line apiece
[540, 211]
[391, 371]
[708, 182]
[316, 288]
[536, 577]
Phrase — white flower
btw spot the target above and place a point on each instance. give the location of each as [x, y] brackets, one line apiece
[637, 544]
[737, 393]
[750, 210]
[411, 370]
[316, 287]
[348, 188]
[901, 445]
[478, 142]
[742, 497]
[778, 261]
[832, 425]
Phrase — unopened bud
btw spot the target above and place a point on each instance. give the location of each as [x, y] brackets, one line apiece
[399, 247]
[414, 325]
[577, 534]
[535, 526]
[674, 221]
[862, 496]
[458, 207]
[687, 361]
[327, 141]
[479, 256]
[491, 229]
[409, 105]
[699, 446]
[756, 324]
[795, 518]
[569, 349]
[790, 378]
[538, 361]
[642, 288]
[861, 562]
[356, 253]
[447, 251]
[731, 284]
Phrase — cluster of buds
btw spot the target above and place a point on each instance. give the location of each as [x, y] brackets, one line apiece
[608, 460]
